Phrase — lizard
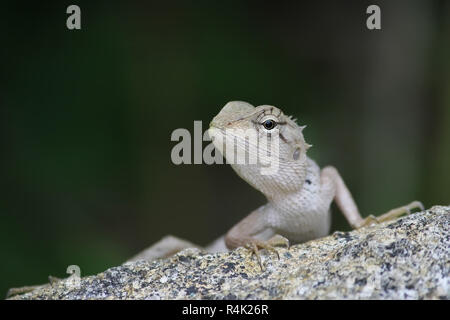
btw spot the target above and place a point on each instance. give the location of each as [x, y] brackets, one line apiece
[299, 193]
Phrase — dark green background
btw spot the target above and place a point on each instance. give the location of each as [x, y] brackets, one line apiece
[86, 116]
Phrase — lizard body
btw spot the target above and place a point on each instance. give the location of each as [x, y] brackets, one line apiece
[298, 192]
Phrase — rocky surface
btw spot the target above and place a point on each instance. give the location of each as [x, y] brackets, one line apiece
[405, 259]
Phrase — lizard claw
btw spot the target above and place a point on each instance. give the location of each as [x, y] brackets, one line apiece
[392, 214]
[368, 221]
[255, 245]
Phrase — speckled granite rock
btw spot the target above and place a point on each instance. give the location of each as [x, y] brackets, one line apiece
[405, 259]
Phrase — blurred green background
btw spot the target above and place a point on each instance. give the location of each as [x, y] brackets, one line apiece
[86, 116]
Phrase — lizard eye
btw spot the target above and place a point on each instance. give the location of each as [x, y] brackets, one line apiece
[269, 124]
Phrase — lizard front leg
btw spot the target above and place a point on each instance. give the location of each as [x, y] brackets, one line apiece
[243, 234]
[333, 185]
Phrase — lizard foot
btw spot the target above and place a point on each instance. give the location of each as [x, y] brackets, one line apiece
[255, 245]
[392, 214]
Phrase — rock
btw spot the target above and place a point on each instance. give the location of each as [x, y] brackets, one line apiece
[405, 259]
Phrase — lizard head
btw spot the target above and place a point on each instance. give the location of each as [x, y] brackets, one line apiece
[241, 131]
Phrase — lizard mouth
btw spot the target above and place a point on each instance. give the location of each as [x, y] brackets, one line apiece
[217, 136]
[215, 132]
[213, 124]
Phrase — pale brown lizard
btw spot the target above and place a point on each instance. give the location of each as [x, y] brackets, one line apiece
[298, 192]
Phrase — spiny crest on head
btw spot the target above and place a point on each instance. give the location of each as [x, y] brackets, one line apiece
[307, 145]
[295, 120]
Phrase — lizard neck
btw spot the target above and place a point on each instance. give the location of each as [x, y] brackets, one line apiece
[287, 180]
